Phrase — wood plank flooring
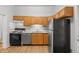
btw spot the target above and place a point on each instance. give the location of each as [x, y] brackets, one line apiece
[24, 49]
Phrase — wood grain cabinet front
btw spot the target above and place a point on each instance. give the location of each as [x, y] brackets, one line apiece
[27, 20]
[19, 18]
[34, 38]
[40, 38]
[37, 38]
[45, 21]
[45, 38]
[65, 12]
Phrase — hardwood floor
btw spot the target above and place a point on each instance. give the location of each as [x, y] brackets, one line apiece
[24, 49]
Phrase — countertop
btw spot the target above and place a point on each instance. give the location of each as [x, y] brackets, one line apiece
[18, 32]
[33, 29]
[34, 32]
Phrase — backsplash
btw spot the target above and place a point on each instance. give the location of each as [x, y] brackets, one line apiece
[37, 28]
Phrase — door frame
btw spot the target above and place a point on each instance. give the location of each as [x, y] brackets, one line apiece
[4, 31]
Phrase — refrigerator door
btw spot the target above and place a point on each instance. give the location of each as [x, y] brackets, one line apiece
[61, 40]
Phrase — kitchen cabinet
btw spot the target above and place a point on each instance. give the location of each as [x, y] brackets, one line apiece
[65, 12]
[34, 39]
[36, 20]
[45, 38]
[40, 20]
[50, 18]
[27, 20]
[39, 38]
[20, 18]
[57, 16]
[61, 13]
[45, 21]
[26, 38]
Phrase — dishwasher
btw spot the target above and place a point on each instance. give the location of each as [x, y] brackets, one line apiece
[26, 38]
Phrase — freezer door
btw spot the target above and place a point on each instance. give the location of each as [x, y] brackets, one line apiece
[61, 36]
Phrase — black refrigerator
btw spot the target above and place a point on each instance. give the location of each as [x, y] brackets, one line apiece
[61, 38]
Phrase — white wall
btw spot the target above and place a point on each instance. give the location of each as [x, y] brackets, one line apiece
[72, 24]
[33, 10]
[75, 30]
[8, 12]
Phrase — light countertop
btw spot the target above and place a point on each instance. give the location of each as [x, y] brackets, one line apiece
[35, 32]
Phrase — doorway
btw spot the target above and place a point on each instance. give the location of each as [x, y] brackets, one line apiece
[0, 30]
[4, 31]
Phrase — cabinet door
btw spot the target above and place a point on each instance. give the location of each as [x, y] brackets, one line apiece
[45, 38]
[37, 38]
[36, 20]
[34, 38]
[27, 20]
[20, 18]
[61, 13]
[68, 11]
[40, 20]
[40, 38]
[50, 18]
[45, 21]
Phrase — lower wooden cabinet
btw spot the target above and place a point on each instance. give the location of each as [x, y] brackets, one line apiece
[34, 38]
[45, 39]
[39, 38]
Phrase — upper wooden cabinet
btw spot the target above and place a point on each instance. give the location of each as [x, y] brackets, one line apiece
[45, 21]
[27, 20]
[36, 20]
[57, 15]
[40, 20]
[65, 12]
[18, 18]
[50, 18]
